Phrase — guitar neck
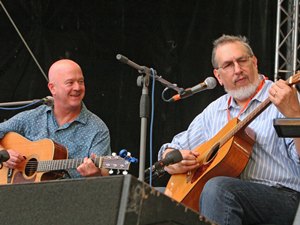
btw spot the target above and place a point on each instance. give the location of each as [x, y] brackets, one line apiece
[243, 124]
[107, 162]
[251, 116]
[63, 164]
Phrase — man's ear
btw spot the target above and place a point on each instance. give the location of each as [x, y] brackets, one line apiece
[217, 75]
[51, 88]
[254, 61]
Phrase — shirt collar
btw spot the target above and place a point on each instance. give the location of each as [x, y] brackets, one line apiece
[82, 118]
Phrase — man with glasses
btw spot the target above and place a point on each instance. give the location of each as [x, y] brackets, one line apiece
[268, 189]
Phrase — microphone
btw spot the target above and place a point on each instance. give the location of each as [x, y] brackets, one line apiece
[209, 83]
[49, 101]
[4, 156]
[171, 158]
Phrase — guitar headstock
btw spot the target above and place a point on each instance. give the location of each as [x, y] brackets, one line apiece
[294, 79]
[115, 163]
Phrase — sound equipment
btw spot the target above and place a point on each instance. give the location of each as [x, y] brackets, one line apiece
[297, 217]
[114, 200]
[287, 127]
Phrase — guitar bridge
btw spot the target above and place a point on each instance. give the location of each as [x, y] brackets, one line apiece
[10, 173]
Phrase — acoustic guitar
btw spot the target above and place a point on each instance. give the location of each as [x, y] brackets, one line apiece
[226, 154]
[46, 160]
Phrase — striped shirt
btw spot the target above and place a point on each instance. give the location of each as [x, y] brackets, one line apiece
[274, 161]
[85, 135]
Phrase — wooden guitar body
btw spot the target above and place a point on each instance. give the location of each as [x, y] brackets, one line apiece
[216, 159]
[44, 149]
[47, 160]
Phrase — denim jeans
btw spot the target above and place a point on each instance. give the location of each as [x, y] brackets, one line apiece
[231, 201]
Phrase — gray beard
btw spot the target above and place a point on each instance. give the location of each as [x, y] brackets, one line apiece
[244, 92]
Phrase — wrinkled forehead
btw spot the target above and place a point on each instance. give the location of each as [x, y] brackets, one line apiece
[230, 51]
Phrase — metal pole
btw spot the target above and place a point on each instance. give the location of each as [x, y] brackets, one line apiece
[276, 69]
[295, 45]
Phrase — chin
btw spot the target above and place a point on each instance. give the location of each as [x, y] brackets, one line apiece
[75, 103]
[243, 92]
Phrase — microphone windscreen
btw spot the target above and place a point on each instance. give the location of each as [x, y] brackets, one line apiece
[173, 157]
[210, 82]
[49, 101]
[4, 156]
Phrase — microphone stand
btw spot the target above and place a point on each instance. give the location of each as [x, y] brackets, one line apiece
[18, 103]
[143, 80]
[144, 115]
[146, 70]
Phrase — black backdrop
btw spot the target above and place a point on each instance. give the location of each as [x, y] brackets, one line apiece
[173, 37]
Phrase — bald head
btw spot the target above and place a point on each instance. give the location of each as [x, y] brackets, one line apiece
[61, 67]
[66, 84]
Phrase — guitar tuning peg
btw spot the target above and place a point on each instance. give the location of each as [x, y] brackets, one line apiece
[129, 154]
[133, 160]
[123, 153]
[118, 171]
[114, 154]
[110, 171]
[125, 172]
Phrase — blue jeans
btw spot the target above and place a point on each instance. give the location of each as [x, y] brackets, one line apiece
[231, 201]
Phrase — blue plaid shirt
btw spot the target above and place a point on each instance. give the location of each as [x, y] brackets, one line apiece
[274, 161]
[85, 135]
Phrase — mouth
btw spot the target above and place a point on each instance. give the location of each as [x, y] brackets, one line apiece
[77, 96]
[241, 81]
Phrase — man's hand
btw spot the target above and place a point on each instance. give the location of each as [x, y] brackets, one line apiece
[88, 168]
[285, 99]
[188, 163]
[14, 160]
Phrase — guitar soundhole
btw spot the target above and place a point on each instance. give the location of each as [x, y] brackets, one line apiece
[213, 152]
[31, 167]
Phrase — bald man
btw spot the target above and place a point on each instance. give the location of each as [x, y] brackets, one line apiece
[68, 122]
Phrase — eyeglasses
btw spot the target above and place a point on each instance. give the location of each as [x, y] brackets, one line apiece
[228, 67]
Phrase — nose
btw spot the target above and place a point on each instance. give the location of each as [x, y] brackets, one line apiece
[76, 86]
[237, 67]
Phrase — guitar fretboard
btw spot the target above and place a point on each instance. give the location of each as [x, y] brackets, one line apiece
[49, 165]
[108, 162]
[244, 123]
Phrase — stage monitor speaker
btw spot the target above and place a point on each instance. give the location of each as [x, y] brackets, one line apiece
[287, 127]
[114, 200]
[297, 217]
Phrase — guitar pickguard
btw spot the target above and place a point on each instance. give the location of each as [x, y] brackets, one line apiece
[19, 178]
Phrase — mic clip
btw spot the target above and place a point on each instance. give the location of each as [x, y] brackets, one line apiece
[158, 168]
[159, 172]
[209, 83]
[156, 172]
[181, 91]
